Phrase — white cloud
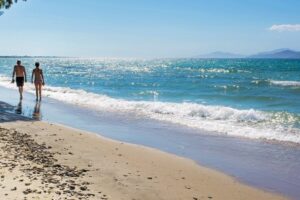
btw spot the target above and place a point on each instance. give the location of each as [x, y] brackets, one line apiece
[285, 27]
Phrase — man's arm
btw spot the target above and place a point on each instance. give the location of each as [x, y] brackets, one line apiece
[13, 75]
[25, 74]
[43, 77]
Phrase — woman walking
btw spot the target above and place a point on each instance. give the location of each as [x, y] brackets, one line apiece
[38, 78]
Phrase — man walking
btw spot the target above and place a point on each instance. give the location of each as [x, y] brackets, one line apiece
[20, 72]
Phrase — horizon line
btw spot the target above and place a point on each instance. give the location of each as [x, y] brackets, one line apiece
[147, 58]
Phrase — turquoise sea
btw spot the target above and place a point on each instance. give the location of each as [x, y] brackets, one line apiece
[251, 98]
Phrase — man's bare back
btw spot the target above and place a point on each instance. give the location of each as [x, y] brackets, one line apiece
[19, 70]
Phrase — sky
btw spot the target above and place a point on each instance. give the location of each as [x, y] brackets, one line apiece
[148, 28]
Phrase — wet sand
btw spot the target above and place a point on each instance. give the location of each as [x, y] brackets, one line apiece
[41, 160]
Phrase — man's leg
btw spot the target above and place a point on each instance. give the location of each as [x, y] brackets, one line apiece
[21, 92]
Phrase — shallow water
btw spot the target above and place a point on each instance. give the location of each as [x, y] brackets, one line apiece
[271, 166]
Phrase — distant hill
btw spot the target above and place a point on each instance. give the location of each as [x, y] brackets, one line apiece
[220, 54]
[275, 54]
[278, 54]
[15, 56]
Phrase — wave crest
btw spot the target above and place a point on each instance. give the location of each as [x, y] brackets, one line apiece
[285, 83]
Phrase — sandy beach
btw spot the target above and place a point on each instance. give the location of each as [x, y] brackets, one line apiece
[149, 100]
[41, 160]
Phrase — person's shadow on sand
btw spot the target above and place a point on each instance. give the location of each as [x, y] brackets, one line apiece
[18, 109]
[36, 114]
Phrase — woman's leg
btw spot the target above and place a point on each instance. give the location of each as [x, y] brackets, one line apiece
[40, 90]
[36, 90]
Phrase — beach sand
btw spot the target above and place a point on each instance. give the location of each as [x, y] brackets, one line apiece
[40, 160]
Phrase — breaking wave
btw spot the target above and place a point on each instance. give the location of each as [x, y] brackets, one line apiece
[286, 83]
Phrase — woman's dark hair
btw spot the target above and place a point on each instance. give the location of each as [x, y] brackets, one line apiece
[37, 64]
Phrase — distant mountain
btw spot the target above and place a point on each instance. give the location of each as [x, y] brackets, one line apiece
[279, 54]
[220, 54]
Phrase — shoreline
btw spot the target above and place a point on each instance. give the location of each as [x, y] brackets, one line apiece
[223, 154]
[216, 119]
[125, 171]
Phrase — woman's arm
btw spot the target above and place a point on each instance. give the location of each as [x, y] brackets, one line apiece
[32, 76]
[43, 77]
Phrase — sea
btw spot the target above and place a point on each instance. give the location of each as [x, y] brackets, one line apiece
[251, 98]
[238, 116]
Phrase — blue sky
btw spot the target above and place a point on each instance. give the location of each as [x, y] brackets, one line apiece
[148, 28]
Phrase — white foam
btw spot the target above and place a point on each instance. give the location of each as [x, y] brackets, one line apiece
[221, 70]
[285, 83]
[219, 119]
[214, 70]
